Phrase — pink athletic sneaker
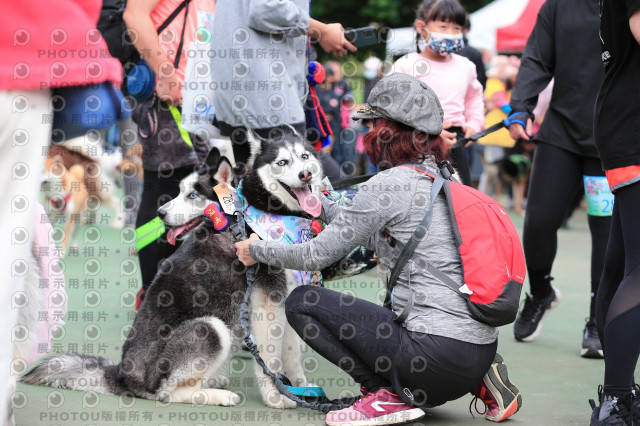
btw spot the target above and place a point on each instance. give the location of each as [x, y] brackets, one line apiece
[379, 408]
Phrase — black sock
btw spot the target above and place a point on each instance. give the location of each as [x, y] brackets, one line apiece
[540, 283]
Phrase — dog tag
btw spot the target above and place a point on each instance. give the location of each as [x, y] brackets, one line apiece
[220, 221]
[227, 196]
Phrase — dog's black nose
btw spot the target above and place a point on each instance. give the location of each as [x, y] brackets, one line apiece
[305, 176]
[162, 213]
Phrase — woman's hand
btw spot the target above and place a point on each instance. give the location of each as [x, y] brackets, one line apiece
[169, 88]
[468, 131]
[242, 250]
[330, 37]
[447, 136]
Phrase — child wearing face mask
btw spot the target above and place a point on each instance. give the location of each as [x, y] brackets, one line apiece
[439, 25]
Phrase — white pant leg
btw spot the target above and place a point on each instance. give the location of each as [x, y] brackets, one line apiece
[25, 128]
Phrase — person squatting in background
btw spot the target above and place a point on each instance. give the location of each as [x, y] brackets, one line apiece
[566, 33]
[617, 130]
[389, 358]
[439, 25]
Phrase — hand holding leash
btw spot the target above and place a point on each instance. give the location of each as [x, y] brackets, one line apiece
[447, 136]
[242, 250]
[518, 129]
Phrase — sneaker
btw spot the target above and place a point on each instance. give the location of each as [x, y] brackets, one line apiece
[612, 412]
[528, 325]
[379, 408]
[591, 347]
[501, 398]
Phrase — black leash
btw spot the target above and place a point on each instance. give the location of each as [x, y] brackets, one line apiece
[518, 117]
[239, 231]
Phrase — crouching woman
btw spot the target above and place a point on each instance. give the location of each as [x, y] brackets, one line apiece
[440, 352]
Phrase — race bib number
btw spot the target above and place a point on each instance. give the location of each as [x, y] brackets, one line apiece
[598, 195]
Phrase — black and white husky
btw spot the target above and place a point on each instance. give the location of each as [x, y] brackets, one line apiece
[284, 175]
[183, 334]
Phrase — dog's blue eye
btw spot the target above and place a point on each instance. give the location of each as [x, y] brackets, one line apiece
[305, 156]
[193, 195]
[282, 163]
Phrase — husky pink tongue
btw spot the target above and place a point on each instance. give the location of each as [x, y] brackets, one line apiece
[175, 233]
[309, 202]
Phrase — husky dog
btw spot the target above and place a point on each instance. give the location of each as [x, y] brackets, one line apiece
[182, 336]
[284, 175]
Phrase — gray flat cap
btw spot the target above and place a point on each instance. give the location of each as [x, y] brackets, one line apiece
[405, 99]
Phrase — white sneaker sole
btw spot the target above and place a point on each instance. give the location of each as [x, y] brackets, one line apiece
[533, 336]
[387, 419]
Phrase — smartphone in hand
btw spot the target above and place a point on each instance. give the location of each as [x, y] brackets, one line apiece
[361, 37]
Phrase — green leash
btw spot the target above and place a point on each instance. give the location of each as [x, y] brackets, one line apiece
[149, 232]
[177, 116]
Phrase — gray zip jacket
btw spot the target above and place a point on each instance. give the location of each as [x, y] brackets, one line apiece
[258, 62]
[396, 200]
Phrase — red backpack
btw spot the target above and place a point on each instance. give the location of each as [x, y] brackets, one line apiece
[490, 249]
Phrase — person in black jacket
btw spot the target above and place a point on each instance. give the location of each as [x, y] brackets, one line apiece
[473, 54]
[617, 133]
[565, 46]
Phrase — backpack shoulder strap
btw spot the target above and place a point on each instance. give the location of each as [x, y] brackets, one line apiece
[407, 251]
[184, 5]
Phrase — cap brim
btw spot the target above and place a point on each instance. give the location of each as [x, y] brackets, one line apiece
[366, 115]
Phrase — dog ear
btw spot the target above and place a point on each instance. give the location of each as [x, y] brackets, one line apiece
[224, 172]
[256, 143]
[213, 158]
[292, 129]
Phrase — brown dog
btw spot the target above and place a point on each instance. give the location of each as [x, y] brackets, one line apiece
[97, 180]
[66, 196]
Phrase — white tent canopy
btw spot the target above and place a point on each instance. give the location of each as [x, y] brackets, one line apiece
[484, 23]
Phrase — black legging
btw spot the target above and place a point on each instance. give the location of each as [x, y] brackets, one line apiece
[158, 189]
[556, 176]
[618, 306]
[363, 339]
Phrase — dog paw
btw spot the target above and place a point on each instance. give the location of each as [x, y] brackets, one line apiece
[233, 400]
[276, 400]
[224, 397]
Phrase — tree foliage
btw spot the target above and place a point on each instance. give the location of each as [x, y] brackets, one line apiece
[379, 13]
[359, 13]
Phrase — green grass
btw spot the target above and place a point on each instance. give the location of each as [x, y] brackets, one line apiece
[554, 381]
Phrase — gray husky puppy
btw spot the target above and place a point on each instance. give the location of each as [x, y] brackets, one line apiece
[182, 337]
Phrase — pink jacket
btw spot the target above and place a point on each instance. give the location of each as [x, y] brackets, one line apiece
[456, 84]
[51, 44]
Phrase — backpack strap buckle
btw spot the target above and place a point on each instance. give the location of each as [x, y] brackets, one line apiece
[446, 169]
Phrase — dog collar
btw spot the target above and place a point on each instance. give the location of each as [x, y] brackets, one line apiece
[60, 203]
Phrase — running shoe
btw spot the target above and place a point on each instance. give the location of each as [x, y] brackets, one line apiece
[613, 412]
[528, 325]
[378, 408]
[591, 347]
[501, 398]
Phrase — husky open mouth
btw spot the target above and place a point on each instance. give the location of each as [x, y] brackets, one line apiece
[309, 202]
[182, 231]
